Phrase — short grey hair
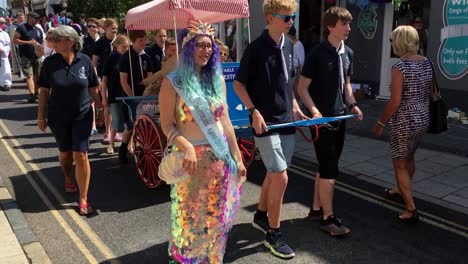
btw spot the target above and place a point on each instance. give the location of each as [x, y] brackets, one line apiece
[65, 31]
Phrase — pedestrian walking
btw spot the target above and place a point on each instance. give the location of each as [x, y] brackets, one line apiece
[91, 37]
[101, 51]
[5, 68]
[264, 84]
[134, 67]
[68, 83]
[111, 88]
[156, 52]
[194, 109]
[408, 114]
[28, 36]
[325, 90]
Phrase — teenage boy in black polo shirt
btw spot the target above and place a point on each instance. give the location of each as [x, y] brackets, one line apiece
[131, 78]
[325, 89]
[264, 84]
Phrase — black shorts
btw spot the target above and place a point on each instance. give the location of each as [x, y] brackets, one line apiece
[72, 135]
[328, 148]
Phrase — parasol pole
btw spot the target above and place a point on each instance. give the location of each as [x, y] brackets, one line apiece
[131, 68]
[175, 33]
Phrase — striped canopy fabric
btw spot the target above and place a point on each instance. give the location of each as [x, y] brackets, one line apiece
[160, 14]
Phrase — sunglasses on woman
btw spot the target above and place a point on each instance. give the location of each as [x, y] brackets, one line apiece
[92, 26]
[285, 18]
[223, 53]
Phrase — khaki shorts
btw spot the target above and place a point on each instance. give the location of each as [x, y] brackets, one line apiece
[31, 66]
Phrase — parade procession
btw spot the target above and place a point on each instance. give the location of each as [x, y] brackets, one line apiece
[233, 131]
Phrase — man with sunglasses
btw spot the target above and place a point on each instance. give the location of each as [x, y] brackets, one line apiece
[264, 84]
[90, 39]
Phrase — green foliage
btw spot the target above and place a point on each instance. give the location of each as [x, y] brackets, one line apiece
[103, 8]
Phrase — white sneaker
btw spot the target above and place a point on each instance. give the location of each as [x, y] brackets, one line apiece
[110, 149]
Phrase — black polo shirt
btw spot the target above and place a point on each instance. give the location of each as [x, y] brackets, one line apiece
[27, 33]
[111, 70]
[141, 66]
[102, 49]
[321, 65]
[69, 85]
[88, 46]
[261, 71]
[157, 55]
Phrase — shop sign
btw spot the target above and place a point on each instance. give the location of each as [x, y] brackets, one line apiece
[453, 51]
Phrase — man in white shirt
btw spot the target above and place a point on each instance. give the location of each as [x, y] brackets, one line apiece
[5, 68]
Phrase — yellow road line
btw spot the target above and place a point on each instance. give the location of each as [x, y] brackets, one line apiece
[370, 197]
[79, 244]
[87, 230]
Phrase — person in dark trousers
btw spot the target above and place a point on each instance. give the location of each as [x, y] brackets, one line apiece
[264, 85]
[132, 75]
[156, 52]
[28, 37]
[325, 89]
[68, 84]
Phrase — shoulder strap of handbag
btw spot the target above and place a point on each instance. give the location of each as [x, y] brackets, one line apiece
[435, 85]
[201, 113]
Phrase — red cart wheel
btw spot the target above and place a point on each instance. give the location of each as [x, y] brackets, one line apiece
[149, 143]
[247, 149]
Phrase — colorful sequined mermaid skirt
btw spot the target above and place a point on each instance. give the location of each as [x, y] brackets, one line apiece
[203, 208]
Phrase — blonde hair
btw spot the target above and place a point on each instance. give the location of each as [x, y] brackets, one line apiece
[275, 6]
[405, 40]
[119, 40]
[109, 23]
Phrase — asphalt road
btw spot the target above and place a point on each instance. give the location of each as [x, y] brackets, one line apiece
[133, 221]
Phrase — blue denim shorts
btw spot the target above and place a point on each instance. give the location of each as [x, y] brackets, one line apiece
[117, 116]
[276, 151]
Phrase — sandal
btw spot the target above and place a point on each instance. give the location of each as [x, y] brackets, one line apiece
[413, 219]
[86, 209]
[70, 187]
[393, 196]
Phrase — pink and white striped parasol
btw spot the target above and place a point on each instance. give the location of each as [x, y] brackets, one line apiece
[166, 14]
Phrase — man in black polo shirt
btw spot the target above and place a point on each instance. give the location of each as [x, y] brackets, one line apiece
[264, 84]
[28, 37]
[325, 89]
[131, 78]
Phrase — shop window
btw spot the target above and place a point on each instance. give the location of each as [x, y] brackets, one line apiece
[413, 13]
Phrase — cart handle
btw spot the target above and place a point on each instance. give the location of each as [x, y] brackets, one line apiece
[311, 122]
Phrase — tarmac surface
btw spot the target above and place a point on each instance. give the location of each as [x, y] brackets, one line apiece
[133, 221]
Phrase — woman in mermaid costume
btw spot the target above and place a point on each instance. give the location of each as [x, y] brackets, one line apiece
[193, 104]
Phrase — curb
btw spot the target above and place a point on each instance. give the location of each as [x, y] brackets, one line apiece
[31, 246]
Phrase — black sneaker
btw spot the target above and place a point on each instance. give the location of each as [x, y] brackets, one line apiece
[261, 224]
[123, 155]
[31, 98]
[334, 227]
[315, 214]
[5, 88]
[275, 243]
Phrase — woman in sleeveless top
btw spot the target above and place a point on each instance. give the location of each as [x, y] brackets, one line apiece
[408, 113]
[204, 205]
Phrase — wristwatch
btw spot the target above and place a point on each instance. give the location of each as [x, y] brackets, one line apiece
[251, 110]
[351, 106]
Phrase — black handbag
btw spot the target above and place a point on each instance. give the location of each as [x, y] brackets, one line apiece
[438, 109]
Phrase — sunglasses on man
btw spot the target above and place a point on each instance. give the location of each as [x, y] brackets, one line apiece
[285, 18]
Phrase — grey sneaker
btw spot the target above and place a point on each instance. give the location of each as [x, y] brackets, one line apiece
[334, 227]
[278, 247]
[261, 224]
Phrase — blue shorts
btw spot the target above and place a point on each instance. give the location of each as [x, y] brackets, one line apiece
[72, 135]
[276, 151]
[117, 116]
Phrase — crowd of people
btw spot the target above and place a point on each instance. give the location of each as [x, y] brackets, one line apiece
[77, 75]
